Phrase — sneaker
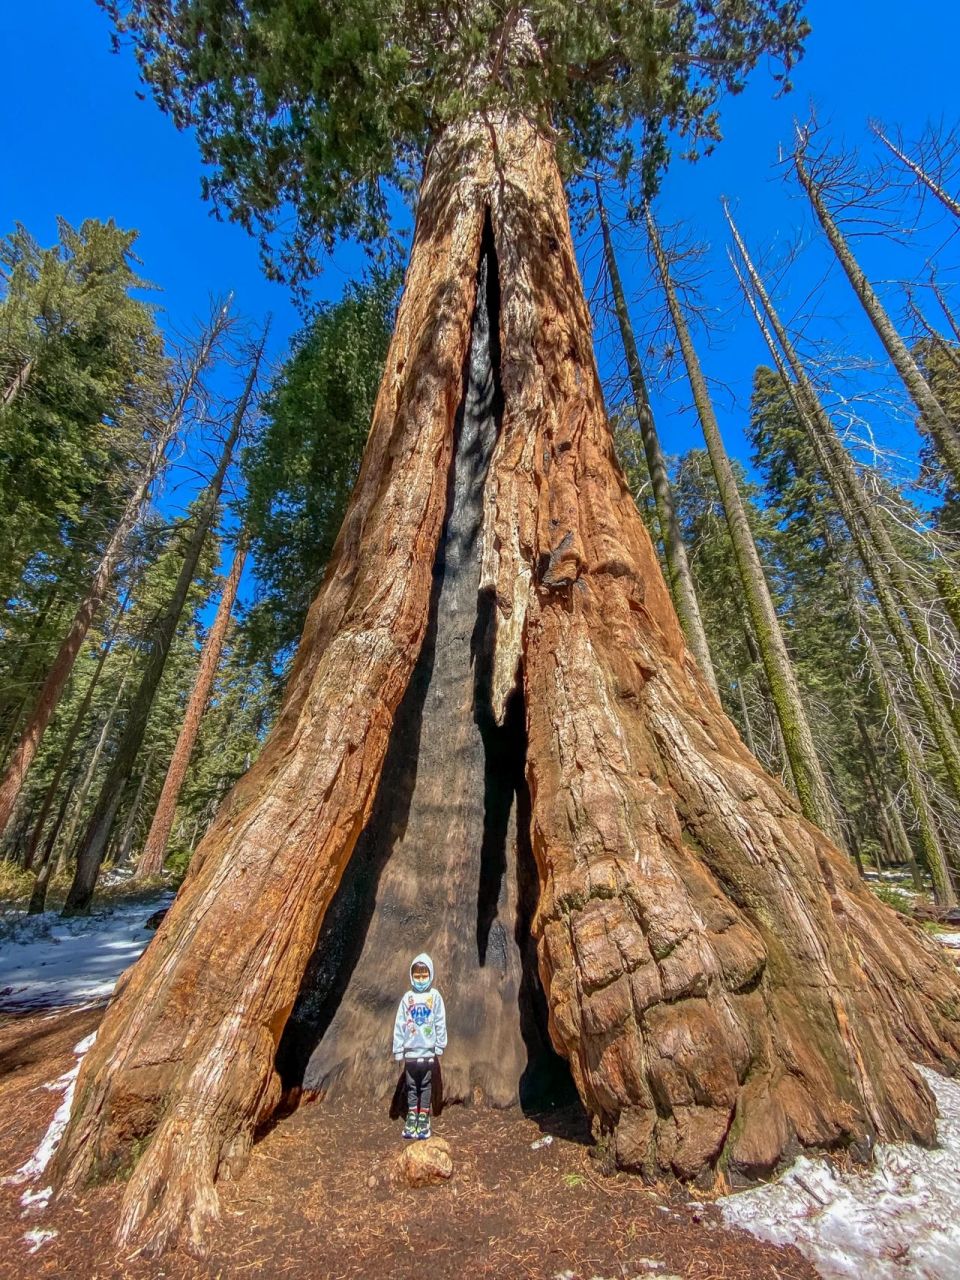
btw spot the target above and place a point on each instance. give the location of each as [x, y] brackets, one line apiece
[410, 1129]
[423, 1124]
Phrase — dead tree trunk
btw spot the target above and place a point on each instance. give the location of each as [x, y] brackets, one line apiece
[924, 178]
[679, 575]
[59, 673]
[17, 384]
[94, 843]
[921, 656]
[812, 789]
[946, 437]
[719, 982]
[151, 859]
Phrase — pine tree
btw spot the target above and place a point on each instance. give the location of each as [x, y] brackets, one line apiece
[299, 472]
[61, 667]
[93, 844]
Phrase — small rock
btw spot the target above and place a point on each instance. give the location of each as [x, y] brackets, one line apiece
[372, 1181]
[545, 1141]
[422, 1163]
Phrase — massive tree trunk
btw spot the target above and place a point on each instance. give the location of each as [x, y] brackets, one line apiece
[721, 985]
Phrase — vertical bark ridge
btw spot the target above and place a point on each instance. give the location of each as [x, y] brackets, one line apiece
[723, 988]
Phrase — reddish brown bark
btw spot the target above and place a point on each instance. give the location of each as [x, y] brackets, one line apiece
[722, 986]
[151, 859]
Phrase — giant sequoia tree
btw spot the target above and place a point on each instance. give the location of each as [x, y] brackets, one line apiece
[493, 737]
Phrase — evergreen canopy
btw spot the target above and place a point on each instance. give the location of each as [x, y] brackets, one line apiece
[309, 111]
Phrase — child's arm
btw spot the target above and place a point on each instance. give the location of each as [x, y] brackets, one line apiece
[440, 1025]
[398, 1034]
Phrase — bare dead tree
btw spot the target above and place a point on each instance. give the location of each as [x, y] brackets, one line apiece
[812, 789]
[931, 173]
[893, 588]
[822, 176]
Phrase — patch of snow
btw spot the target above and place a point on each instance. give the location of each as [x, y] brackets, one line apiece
[545, 1141]
[898, 1218]
[36, 1238]
[32, 1169]
[36, 1199]
[48, 962]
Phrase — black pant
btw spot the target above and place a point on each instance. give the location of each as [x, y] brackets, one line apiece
[419, 1080]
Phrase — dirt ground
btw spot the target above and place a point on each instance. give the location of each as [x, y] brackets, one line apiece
[317, 1202]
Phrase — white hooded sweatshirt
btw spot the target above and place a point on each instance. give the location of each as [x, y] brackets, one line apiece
[420, 1030]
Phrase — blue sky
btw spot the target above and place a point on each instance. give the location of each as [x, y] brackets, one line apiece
[77, 141]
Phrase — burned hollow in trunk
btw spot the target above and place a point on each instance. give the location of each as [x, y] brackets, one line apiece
[444, 863]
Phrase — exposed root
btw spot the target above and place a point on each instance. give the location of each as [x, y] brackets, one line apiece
[171, 1197]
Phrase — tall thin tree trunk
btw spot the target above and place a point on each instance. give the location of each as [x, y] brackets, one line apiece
[679, 575]
[38, 895]
[946, 437]
[17, 384]
[66, 753]
[871, 540]
[89, 775]
[924, 178]
[125, 843]
[893, 832]
[910, 759]
[812, 789]
[94, 842]
[747, 726]
[720, 983]
[151, 858]
[59, 672]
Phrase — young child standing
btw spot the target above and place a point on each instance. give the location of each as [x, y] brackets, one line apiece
[419, 1038]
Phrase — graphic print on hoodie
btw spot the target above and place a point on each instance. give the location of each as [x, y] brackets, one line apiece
[420, 1030]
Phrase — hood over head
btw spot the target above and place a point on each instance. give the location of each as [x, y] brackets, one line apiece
[422, 958]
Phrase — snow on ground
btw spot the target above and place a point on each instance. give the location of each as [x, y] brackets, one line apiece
[47, 962]
[35, 1166]
[898, 1218]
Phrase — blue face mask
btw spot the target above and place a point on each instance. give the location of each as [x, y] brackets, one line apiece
[420, 984]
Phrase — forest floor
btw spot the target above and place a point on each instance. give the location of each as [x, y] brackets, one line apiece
[317, 1199]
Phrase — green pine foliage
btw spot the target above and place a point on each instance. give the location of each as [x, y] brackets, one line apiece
[300, 472]
[327, 108]
[80, 371]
